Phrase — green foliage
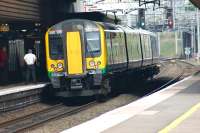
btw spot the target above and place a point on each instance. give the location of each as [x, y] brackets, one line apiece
[167, 49]
[167, 45]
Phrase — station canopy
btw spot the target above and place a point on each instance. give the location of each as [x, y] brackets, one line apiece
[196, 3]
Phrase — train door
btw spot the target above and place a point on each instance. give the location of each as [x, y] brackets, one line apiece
[146, 50]
[154, 47]
[109, 51]
[74, 50]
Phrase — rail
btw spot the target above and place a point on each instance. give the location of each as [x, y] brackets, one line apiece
[176, 78]
[29, 121]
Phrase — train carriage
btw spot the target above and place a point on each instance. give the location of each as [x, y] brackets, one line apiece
[83, 55]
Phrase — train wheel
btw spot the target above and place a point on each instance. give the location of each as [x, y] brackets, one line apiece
[105, 89]
[48, 94]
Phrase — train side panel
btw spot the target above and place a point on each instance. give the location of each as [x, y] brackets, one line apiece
[116, 51]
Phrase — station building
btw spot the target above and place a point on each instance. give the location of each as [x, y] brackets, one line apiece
[22, 26]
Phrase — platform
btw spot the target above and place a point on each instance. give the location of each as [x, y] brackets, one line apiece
[19, 95]
[174, 109]
[15, 88]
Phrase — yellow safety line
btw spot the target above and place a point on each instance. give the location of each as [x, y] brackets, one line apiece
[180, 119]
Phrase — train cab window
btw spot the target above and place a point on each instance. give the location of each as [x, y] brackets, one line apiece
[93, 43]
[56, 46]
[92, 36]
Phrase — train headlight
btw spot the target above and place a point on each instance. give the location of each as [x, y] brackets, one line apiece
[60, 65]
[92, 63]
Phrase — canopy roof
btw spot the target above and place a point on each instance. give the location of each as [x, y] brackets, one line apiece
[196, 3]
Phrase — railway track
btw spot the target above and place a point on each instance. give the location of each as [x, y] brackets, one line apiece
[18, 95]
[173, 80]
[164, 69]
[33, 120]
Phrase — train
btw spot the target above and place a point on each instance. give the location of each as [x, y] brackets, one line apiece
[83, 56]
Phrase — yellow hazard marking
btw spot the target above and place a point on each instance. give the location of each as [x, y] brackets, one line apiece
[180, 119]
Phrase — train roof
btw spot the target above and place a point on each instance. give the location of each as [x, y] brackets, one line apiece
[127, 29]
[136, 30]
[72, 21]
[108, 26]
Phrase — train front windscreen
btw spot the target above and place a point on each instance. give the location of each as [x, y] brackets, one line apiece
[93, 43]
[56, 46]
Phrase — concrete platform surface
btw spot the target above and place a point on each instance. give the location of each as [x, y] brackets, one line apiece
[189, 125]
[10, 89]
[173, 109]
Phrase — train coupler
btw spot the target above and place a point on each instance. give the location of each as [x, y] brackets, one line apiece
[76, 84]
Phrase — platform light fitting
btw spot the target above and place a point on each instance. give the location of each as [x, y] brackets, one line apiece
[24, 30]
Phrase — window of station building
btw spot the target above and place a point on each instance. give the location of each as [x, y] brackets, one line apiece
[134, 49]
[118, 47]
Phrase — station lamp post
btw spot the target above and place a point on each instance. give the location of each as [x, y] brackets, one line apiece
[141, 18]
[170, 23]
[169, 17]
[198, 33]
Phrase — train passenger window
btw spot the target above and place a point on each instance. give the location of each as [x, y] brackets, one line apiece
[134, 49]
[118, 47]
[56, 47]
[146, 46]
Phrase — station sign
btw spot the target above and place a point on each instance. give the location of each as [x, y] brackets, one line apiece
[187, 50]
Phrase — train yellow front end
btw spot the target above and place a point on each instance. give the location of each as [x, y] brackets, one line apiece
[76, 58]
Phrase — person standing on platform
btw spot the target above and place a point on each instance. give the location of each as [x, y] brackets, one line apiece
[30, 60]
[3, 65]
